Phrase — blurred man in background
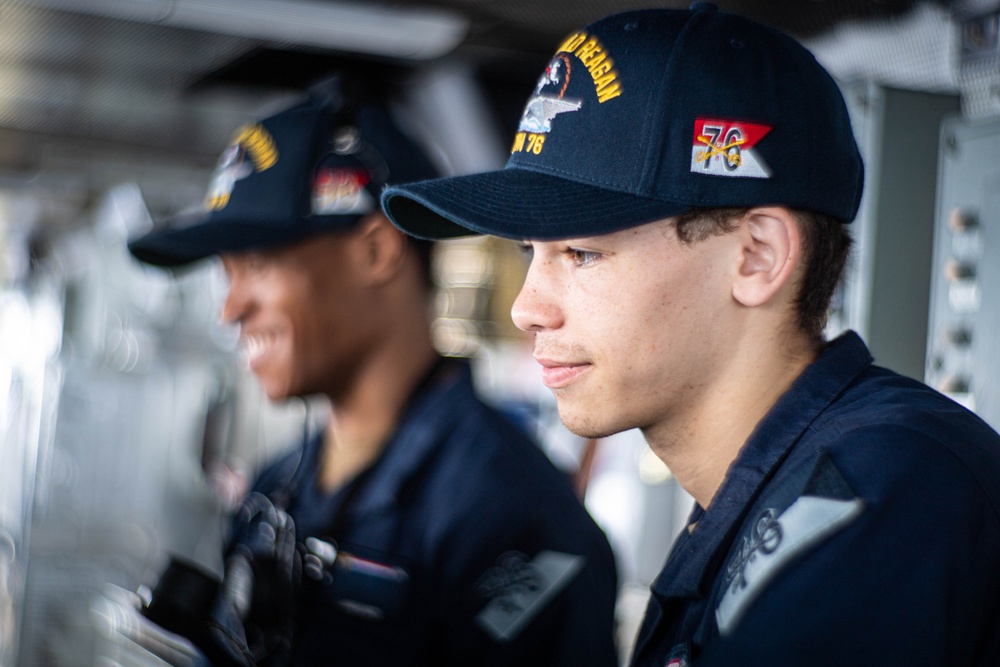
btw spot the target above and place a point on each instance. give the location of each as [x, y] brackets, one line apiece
[420, 527]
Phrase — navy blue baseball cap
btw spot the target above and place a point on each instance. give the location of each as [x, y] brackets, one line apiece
[318, 166]
[647, 114]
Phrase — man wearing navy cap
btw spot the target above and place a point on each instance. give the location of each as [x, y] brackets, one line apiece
[421, 528]
[683, 181]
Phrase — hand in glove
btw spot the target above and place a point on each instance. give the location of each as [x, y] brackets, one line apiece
[252, 619]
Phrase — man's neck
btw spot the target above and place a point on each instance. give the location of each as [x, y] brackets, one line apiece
[362, 422]
[700, 445]
[342, 460]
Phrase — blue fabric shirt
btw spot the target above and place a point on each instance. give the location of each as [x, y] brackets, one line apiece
[859, 525]
[471, 547]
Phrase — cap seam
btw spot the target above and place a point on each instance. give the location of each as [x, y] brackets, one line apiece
[657, 151]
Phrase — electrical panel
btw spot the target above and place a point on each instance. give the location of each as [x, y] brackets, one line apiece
[964, 323]
[885, 292]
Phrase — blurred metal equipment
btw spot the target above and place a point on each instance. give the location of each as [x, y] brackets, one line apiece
[128, 639]
[151, 428]
[964, 335]
[400, 32]
[885, 293]
[29, 384]
[979, 57]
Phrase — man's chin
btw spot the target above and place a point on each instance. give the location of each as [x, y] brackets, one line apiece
[276, 393]
[277, 397]
[585, 426]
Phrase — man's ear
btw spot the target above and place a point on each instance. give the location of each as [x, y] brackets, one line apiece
[381, 248]
[771, 250]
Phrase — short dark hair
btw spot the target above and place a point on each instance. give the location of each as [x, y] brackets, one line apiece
[826, 245]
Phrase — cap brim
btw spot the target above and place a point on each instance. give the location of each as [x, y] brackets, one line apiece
[517, 204]
[204, 237]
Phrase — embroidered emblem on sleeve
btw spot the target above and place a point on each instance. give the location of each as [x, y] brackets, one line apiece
[726, 148]
[519, 590]
[774, 540]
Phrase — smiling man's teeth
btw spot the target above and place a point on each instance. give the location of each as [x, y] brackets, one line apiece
[255, 346]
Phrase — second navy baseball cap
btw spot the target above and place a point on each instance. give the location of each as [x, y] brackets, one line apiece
[317, 166]
[647, 114]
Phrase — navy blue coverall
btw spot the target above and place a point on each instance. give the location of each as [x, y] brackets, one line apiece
[471, 547]
[859, 525]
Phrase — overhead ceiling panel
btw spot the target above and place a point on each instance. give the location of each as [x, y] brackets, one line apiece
[129, 82]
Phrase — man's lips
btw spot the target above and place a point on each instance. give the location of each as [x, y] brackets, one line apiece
[558, 374]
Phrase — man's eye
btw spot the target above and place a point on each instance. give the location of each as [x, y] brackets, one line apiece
[527, 250]
[584, 257]
[254, 262]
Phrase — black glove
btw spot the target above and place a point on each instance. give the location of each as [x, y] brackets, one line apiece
[251, 621]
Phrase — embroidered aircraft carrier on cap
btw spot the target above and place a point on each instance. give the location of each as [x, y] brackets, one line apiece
[650, 113]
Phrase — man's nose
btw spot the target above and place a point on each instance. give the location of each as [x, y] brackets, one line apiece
[535, 308]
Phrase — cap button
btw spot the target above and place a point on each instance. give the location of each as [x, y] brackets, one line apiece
[704, 7]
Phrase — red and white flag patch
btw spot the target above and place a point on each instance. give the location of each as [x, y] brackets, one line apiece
[726, 148]
[341, 191]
